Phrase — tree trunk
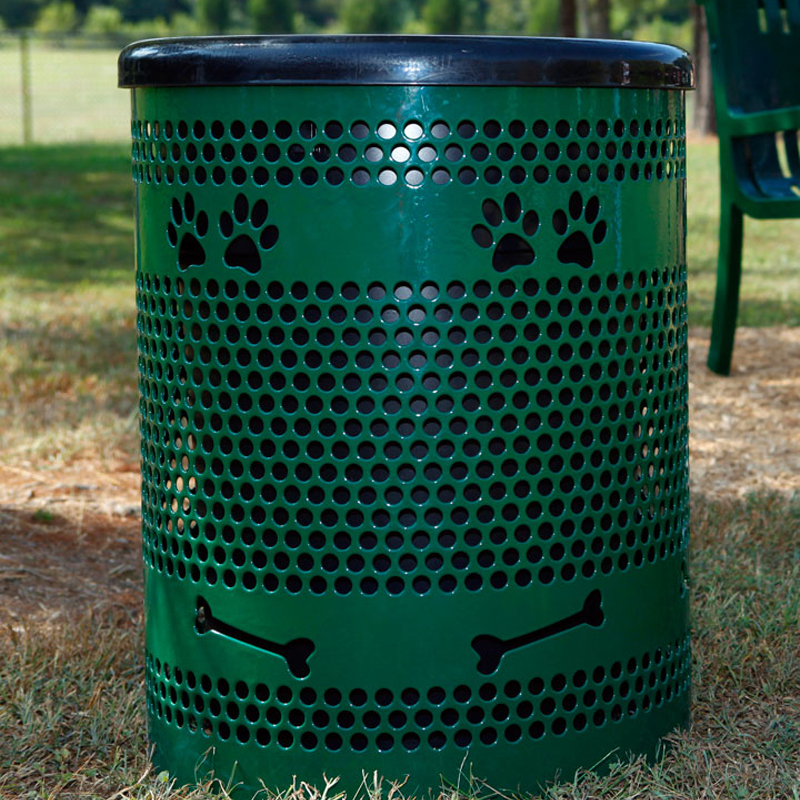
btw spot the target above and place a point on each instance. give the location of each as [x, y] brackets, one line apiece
[594, 18]
[584, 28]
[704, 121]
[568, 18]
[601, 19]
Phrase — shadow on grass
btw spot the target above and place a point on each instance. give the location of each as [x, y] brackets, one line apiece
[66, 556]
[67, 213]
[67, 331]
[754, 312]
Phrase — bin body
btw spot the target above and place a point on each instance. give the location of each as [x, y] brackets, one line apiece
[414, 426]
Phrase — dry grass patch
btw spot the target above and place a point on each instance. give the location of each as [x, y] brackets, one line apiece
[72, 711]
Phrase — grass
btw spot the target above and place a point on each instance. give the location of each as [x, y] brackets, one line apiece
[76, 99]
[74, 94]
[67, 322]
[71, 695]
[72, 723]
[770, 292]
[67, 327]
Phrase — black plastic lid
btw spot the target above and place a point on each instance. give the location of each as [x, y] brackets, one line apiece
[403, 60]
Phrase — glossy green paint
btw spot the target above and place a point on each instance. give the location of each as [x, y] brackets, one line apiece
[370, 430]
[754, 47]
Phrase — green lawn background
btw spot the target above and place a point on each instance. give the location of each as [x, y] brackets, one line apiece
[68, 386]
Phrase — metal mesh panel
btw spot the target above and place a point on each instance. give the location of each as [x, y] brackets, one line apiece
[414, 428]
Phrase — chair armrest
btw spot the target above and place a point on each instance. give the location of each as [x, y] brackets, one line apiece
[752, 123]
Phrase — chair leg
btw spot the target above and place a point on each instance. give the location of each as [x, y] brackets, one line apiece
[726, 301]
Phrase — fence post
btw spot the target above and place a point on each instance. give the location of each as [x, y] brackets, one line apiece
[25, 71]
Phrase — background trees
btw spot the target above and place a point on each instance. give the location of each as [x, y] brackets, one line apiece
[370, 16]
[442, 16]
[271, 16]
[679, 22]
[666, 20]
[215, 15]
[19, 13]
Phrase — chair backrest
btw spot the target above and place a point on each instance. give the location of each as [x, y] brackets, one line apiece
[757, 45]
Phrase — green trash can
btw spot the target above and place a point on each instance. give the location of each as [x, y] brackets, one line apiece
[412, 346]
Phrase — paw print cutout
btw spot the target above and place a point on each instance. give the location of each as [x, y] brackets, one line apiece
[510, 248]
[184, 231]
[577, 247]
[248, 232]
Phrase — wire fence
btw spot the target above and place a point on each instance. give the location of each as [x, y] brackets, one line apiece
[64, 89]
[60, 90]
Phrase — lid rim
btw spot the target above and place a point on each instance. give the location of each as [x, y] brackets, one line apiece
[383, 60]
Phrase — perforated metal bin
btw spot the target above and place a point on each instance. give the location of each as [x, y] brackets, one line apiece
[412, 345]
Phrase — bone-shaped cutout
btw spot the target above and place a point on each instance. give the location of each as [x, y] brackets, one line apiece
[296, 652]
[491, 649]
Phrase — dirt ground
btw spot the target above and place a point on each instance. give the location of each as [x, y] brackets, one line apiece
[70, 541]
[70, 538]
[745, 429]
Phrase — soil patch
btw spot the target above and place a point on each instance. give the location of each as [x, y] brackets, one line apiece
[70, 540]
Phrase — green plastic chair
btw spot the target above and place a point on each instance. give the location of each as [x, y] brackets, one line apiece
[755, 59]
